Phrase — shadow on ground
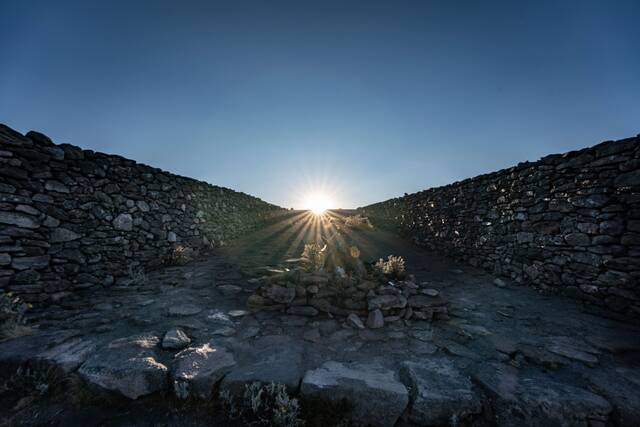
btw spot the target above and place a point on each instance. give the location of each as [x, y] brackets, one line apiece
[507, 356]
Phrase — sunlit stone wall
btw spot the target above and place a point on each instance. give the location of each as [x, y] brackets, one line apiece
[568, 223]
[73, 219]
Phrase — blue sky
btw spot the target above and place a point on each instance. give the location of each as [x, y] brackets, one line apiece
[367, 99]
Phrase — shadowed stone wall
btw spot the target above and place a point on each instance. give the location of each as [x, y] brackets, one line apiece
[568, 223]
[73, 219]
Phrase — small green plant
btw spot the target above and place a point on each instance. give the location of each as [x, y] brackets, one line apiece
[179, 256]
[263, 405]
[354, 252]
[358, 221]
[314, 256]
[12, 320]
[393, 267]
[29, 380]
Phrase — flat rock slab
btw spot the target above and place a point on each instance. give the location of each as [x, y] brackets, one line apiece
[184, 310]
[619, 387]
[69, 355]
[275, 358]
[534, 399]
[571, 348]
[375, 392]
[440, 393]
[18, 350]
[197, 369]
[128, 366]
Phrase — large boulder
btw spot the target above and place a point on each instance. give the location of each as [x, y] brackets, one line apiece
[273, 358]
[377, 396]
[197, 369]
[440, 393]
[522, 398]
[128, 366]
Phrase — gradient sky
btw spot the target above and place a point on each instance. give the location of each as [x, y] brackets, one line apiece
[369, 99]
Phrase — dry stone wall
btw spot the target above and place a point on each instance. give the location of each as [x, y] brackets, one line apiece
[568, 223]
[73, 219]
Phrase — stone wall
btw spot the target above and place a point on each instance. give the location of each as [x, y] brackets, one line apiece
[568, 223]
[73, 219]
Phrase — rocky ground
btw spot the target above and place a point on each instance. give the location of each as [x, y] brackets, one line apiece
[152, 353]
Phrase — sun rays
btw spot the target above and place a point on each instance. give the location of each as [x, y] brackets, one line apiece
[318, 203]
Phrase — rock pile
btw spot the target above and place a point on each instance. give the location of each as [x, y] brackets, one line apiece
[370, 301]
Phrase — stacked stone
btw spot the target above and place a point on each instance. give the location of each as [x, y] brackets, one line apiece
[310, 294]
[73, 219]
[567, 224]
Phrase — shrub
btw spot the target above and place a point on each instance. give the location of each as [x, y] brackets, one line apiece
[354, 252]
[179, 256]
[314, 256]
[358, 221]
[38, 380]
[12, 321]
[263, 405]
[393, 267]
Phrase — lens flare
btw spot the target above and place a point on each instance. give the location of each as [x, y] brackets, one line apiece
[318, 203]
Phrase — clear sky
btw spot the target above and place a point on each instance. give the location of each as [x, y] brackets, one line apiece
[369, 99]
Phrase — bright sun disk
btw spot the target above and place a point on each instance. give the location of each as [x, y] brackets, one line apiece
[318, 203]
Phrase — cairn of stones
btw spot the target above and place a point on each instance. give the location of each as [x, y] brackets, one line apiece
[378, 293]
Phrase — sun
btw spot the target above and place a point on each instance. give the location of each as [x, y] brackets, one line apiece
[318, 203]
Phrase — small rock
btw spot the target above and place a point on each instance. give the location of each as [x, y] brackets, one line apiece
[238, 313]
[56, 186]
[225, 331]
[312, 335]
[123, 222]
[375, 319]
[255, 301]
[372, 335]
[184, 310]
[355, 321]
[175, 339]
[302, 310]
[499, 282]
[229, 290]
[59, 235]
[386, 302]
[250, 332]
[281, 294]
[431, 292]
